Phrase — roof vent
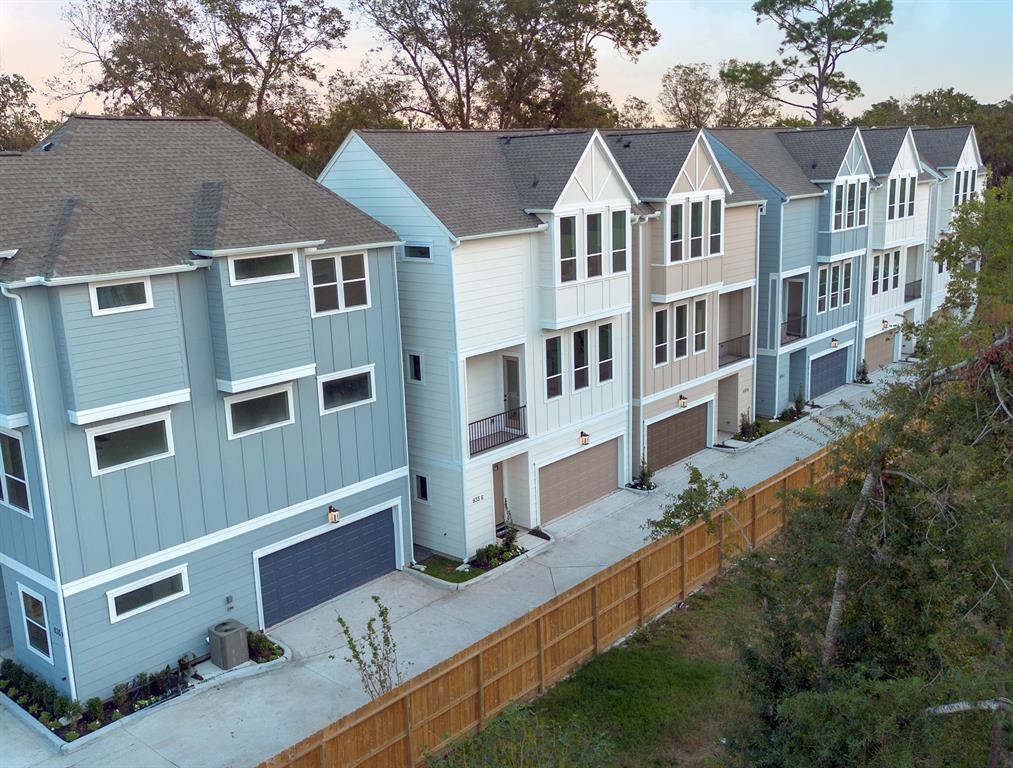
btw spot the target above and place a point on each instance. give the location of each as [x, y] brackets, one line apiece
[534, 182]
[507, 139]
[47, 146]
[814, 164]
[627, 143]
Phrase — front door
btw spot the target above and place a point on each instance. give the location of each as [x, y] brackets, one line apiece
[512, 391]
[497, 490]
[794, 305]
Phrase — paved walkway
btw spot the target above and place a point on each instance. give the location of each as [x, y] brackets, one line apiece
[241, 722]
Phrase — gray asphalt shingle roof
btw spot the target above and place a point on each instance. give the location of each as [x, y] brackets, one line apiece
[476, 181]
[123, 194]
[818, 152]
[883, 146]
[762, 149]
[941, 147]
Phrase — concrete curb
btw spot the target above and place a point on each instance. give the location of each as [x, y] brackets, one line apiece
[765, 438]
[640, 491]
[487, 576]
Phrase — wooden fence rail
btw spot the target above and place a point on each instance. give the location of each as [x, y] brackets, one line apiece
[528, 655]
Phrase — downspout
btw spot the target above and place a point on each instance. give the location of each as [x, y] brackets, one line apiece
[754, 311]
[44, 476]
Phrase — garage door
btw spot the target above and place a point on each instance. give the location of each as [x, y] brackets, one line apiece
[673, 439]
[828, 372]
[570, 483]
[306, 574]
[879, 350]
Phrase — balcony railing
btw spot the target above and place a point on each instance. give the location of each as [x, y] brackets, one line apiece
[792, 329]
[494, 431]
[913, 290]
[733, 350]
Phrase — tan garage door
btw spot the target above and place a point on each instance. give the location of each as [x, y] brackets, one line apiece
[879, 350]
[677, 437]
[570, 483]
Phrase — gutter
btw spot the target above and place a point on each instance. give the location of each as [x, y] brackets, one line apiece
[314, 251]
[540, 228]
[44, 477]
[28, 282]
[211, 253]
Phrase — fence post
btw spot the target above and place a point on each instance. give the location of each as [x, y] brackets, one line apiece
[682, 566]
[408, 729]
[752, 520]
[640, 592]
[594, 617]
[481, 691]
[541, 655]
[721, 543]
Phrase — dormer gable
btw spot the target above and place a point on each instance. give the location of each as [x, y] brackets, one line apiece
[907, 161]
[700, 173]
[596, 179]
[856, 163]
[970, 155]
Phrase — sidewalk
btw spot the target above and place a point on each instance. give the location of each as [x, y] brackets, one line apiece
[241, 722]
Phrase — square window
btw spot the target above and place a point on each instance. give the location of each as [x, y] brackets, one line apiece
[130, 442]
[120, 296]
[347, 389]
[257, 269]
[259, 410]
[339, 284]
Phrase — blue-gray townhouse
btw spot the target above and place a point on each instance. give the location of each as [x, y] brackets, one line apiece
[813, 244]
[201, 399]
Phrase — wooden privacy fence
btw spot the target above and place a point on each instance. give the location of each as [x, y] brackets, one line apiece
[536, 650]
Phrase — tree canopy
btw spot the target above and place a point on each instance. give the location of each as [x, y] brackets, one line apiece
[692, 97]
[21, 125]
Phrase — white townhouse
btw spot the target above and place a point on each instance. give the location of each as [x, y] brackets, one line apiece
[515, 298]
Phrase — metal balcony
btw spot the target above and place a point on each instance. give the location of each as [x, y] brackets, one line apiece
[793, 329]
[494, 431]
[913, 290]
[733, 350]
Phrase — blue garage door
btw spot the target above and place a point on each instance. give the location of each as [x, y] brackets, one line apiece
[828, 372]
[306, 574]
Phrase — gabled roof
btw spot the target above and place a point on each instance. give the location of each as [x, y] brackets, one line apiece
[942, 147]
[883, 145]
[763, 150]
[819, 152]
[482, 181]
[103, 195]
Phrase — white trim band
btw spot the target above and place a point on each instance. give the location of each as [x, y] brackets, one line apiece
[266, 379]
[13, 420]
[103, 412]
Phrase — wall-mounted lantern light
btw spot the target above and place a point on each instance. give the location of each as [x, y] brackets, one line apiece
[834, 342]
[683, 401]
[884, 324]
[333, 515]
[585, 438]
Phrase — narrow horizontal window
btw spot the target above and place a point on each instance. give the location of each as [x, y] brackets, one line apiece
[417, 252]
[260, 410]
[148, 593]
[346, 390]
[120, 296]
[249, 269]
[13, 483]
[136, 441]
[36, 618]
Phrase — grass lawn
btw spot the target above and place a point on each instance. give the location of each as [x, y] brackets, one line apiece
[444, 568]
[663, 697]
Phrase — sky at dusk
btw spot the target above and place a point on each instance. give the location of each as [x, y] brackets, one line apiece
[966, 44]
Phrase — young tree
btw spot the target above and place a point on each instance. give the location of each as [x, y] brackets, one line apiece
[689, 95]
[818, 34]
[21, 125]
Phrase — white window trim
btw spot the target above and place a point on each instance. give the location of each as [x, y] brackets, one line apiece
[116, 426]
[562, 368]
[628, 241]
[706, 332]
[415, 488]
[603, 235]
[558, 248]
[428, 245]
[420, 382]
[654, 337]
[848, 182]
[597, 353]
[22, 589]
[704, 235]
[253, 394]
[851, 280]
[339, 274]
[112, 594]
[324, 378]
[96, 311]
[3, 476]
[675, 331]
[721, 231]
[668, 233]
[587, 356]
[234, 281]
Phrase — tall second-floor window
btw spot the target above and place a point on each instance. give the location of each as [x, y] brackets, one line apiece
[839, 206]
[661, 337]
[605, 352]
[911, 189]
[835, 285]
[863, 202]
[846, 284]
[553, 367]
[875, 275]
[891, 202]
[696, 230]
[903, 204]
[681, 331]
[13, 484]
[852, 204]
[896, 269]
[619, 226]
[581, 375]
[715, 227]
[884, 284]
[567, 249]
[592, 244]
[675, 235]
[700, 326]
[964, 186]
[821, 290]
[339, 283]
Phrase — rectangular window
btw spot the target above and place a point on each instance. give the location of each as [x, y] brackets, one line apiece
[700, 326]
[681, 331]
[902, 198]
[891, 206]
[967, 178]
[912, 188]
[715, 227]
[974, 181]
[258, 411]
[605, 352]
[956, 188]
[414, 367]
[346, 389]
[875, 275]
[567, 249]
[675, 239]
[36, 618]
[852, 192]
[148, 593]
[696, 230]
[553, 367]
[117, 296]
[863, 202]
[846, 285]
[839, 206]
[821, 291]
[261, 269]
[939, 267]
[128, 443]
[660, 337]
[417, 252]
[619, 224]
[884, 285]
[13, 483]
[339, 283]
[421, 488]
[896, 269]
[592, 244]
[581, 369]
[835, 285]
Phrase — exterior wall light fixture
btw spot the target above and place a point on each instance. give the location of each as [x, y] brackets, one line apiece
[683, 401]
[585, 438]
[333, 514]
[834, 342]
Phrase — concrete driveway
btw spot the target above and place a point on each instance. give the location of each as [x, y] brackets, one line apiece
[241, 722]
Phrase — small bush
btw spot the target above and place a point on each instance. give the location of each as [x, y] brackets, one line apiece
[93, 708]
[74, 711]
[116, 715]
[748, 428]
[94, 725]
[862, 375]
[71, 736]
[121, 695]
[22, 700]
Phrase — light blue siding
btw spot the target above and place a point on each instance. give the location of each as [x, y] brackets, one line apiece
[5, 620]
[12, 396]
[258, 328]
[798, 233]
[26, 539]
[55, 672]
[766, 380]
[116, 358]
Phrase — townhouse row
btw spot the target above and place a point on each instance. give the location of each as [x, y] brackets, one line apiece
[229, 391]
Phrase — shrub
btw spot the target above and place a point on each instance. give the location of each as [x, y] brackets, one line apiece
[61, 706]
[375, 654]
[748, 429]
[13, 692]
[121, 695]
[645, 475]
[94, 725]
[93, 708]
[862, 375]
[8, 669]
[116, 715]
[22, 700]
[74, 711]
[141, 683]
[71, 736]
[799, 403]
